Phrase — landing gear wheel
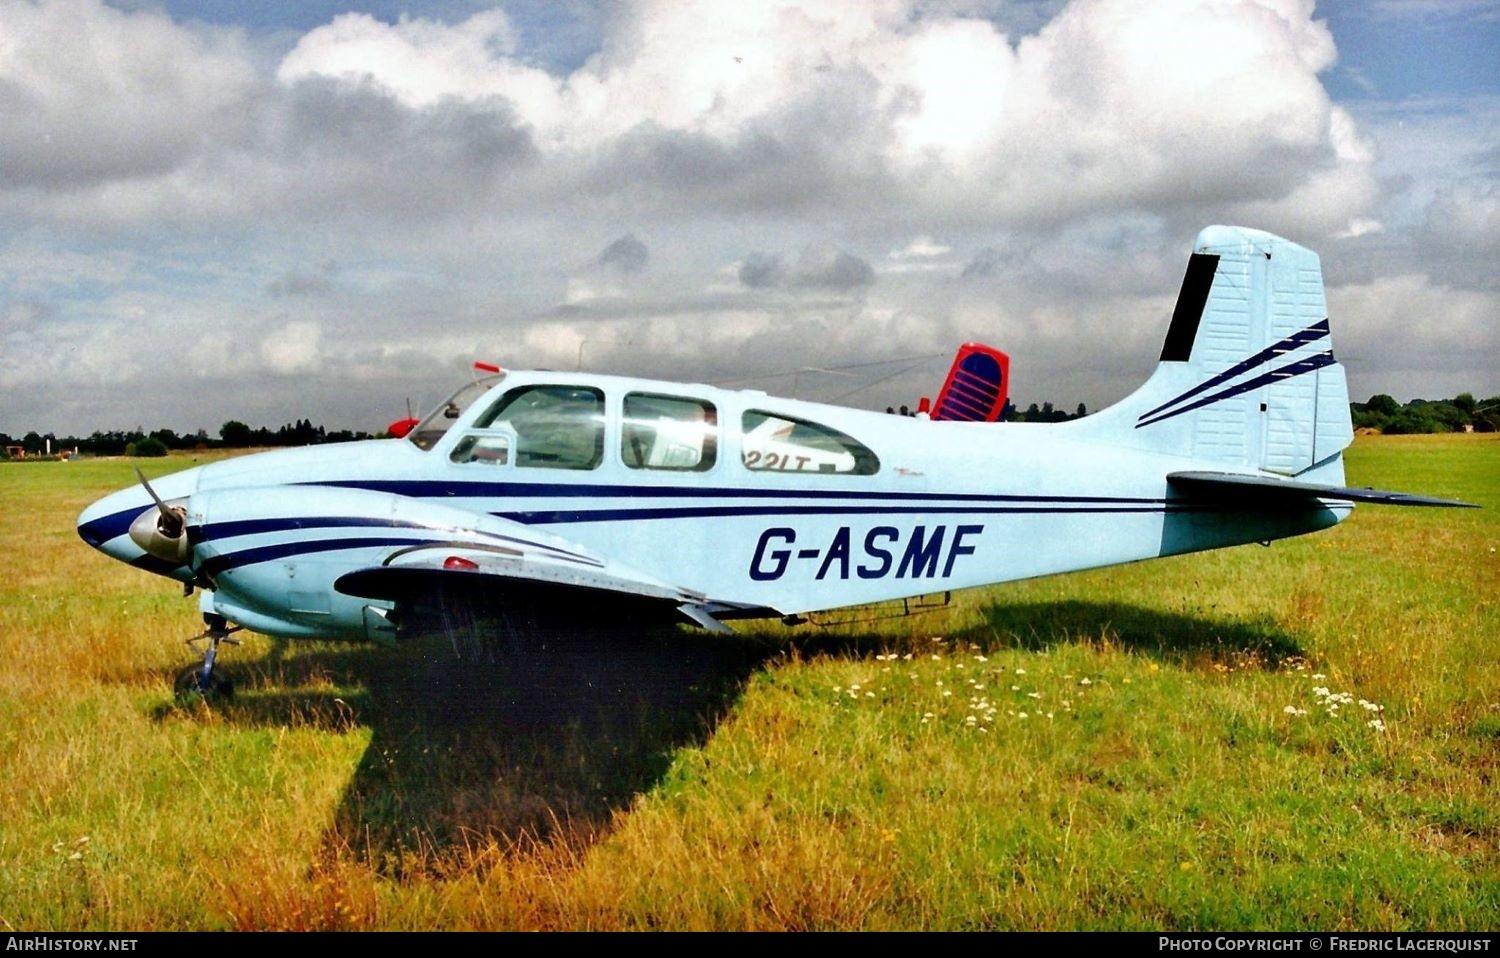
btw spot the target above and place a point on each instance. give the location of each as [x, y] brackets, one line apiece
[201, 681]
[189, 686]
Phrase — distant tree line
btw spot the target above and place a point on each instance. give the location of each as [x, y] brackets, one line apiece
[138, 442]
[1043, 413]
[1458, 414]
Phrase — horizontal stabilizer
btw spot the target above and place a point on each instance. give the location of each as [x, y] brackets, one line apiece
[1261, 490]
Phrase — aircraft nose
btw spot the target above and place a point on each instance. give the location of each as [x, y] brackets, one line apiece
[105, 524]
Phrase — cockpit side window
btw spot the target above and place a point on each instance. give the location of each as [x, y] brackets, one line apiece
[435, 424]
[490, 447]
[556, 427]
[669, 432]
[773, 442]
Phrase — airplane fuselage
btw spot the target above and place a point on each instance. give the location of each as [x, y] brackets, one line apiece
[755, 504]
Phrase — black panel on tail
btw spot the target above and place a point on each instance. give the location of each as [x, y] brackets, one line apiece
[1196, 283]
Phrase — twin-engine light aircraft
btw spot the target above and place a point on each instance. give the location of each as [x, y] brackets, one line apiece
[568, 496]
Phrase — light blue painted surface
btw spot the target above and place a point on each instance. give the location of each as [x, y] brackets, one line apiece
[953, 504]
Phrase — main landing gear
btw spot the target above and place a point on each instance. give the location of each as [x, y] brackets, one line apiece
[200, 679]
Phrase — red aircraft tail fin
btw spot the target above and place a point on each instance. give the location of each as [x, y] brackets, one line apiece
[976, 387]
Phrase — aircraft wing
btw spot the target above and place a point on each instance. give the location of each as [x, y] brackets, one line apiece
[1253, 491]
[541, 577]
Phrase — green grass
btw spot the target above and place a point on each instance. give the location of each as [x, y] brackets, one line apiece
[873, 775]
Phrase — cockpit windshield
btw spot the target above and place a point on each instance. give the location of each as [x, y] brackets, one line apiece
[437, 423]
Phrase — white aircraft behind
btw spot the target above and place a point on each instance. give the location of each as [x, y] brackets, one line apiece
[561, 497]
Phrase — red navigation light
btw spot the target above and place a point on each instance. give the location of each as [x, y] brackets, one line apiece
[460, 564]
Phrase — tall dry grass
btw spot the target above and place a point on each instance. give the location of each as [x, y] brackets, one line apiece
[1178, 744]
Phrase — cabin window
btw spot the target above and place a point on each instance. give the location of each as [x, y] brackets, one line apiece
[555, 427]
[777, 443]
[668, 432]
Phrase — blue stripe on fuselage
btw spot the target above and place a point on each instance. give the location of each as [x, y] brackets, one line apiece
[283, 550]
[105, 528]
[547, 517]
[217, 531]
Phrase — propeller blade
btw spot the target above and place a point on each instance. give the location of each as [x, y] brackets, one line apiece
[171, 521]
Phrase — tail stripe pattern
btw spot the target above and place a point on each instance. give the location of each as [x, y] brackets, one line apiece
[1313, 333]
[1289, 371]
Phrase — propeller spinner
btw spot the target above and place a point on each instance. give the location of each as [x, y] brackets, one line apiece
[162, 531]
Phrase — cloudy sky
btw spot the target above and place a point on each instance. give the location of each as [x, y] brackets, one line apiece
[268, 211]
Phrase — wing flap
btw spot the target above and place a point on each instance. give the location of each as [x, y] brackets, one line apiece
[1263, 490]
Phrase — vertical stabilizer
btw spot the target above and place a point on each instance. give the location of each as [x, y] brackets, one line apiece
[1247, 376]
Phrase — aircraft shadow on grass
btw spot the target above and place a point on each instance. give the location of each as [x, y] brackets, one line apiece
[555, 738]
[546, 743]
[1170, 636]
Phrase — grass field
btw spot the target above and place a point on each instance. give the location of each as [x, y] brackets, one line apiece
[1300, 737]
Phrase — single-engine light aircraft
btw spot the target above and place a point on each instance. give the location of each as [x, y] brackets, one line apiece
[568, 496]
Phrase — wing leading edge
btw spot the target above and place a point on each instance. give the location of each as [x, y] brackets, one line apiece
[1263, 490]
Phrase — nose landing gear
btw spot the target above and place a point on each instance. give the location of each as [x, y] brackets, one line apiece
[201, 679]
